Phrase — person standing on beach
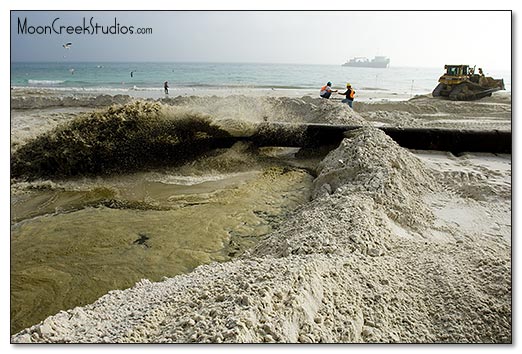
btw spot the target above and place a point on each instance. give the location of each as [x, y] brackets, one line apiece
[166, 87]
[326, 91]
[350, 94]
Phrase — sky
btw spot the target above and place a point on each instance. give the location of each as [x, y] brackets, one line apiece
[409, 38]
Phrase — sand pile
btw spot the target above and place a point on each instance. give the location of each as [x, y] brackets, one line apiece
[372, 175]
[28, 124]
[424, 111]
[360, 263]
[37, 99]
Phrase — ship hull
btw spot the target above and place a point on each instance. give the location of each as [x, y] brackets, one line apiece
[367, 65]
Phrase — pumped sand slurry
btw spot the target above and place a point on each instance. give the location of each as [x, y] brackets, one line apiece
[343, 267]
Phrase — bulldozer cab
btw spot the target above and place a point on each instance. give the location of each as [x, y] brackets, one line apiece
[455, 74]
[457, 70]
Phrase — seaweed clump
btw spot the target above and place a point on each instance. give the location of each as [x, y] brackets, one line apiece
[121, 138]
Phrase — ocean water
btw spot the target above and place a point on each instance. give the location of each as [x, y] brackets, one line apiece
[151, 76]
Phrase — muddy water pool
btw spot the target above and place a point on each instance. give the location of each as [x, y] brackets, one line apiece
[73, 241]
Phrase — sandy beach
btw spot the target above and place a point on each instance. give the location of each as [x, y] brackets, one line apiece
[366, 242]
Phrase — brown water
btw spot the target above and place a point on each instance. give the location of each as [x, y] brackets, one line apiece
[74, 241]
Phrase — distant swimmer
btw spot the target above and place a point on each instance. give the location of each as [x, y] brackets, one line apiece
[67, 45]
[166, 87]
[132, 73]
[350, 94]
[326, 90]
[72, 71]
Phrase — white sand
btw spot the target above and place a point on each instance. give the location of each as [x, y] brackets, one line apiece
[394, 247]
[424, 111]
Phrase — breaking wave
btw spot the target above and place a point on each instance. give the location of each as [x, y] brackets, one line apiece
[45, 82]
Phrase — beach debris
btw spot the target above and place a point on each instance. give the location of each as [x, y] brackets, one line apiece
[142, 240]
[375, 252]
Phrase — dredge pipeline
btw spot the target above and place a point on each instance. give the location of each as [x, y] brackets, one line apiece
[455, 141]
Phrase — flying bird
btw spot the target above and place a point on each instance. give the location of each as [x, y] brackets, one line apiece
[67, 45]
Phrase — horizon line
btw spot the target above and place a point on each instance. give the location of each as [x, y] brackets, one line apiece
[218, 62]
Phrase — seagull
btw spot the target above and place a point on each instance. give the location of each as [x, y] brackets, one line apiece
[67, 45]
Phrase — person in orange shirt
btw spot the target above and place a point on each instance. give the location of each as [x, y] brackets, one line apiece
[326, 91]
[350, 94]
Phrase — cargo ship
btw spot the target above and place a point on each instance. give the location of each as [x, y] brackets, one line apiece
[363, 62]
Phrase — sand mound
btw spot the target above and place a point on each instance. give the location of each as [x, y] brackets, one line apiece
[491, 113]
[351, 266]
[374, 175]
[430, 105]
[37, 101]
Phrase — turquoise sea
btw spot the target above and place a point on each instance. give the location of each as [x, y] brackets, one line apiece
[92, 76]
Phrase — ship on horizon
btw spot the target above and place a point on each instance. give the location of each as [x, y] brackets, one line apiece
[363, 62]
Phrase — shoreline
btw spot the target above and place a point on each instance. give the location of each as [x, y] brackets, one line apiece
[362, 95]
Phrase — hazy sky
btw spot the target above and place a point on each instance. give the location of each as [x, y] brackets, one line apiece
[417, 38]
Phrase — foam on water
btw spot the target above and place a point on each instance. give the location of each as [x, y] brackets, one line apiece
[45, 82]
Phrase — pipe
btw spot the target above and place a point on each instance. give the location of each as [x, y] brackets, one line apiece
[452, 140]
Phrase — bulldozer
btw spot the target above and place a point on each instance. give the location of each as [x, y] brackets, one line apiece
[461, 83]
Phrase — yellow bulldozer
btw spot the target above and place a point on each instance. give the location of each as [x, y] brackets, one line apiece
[461, 83]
